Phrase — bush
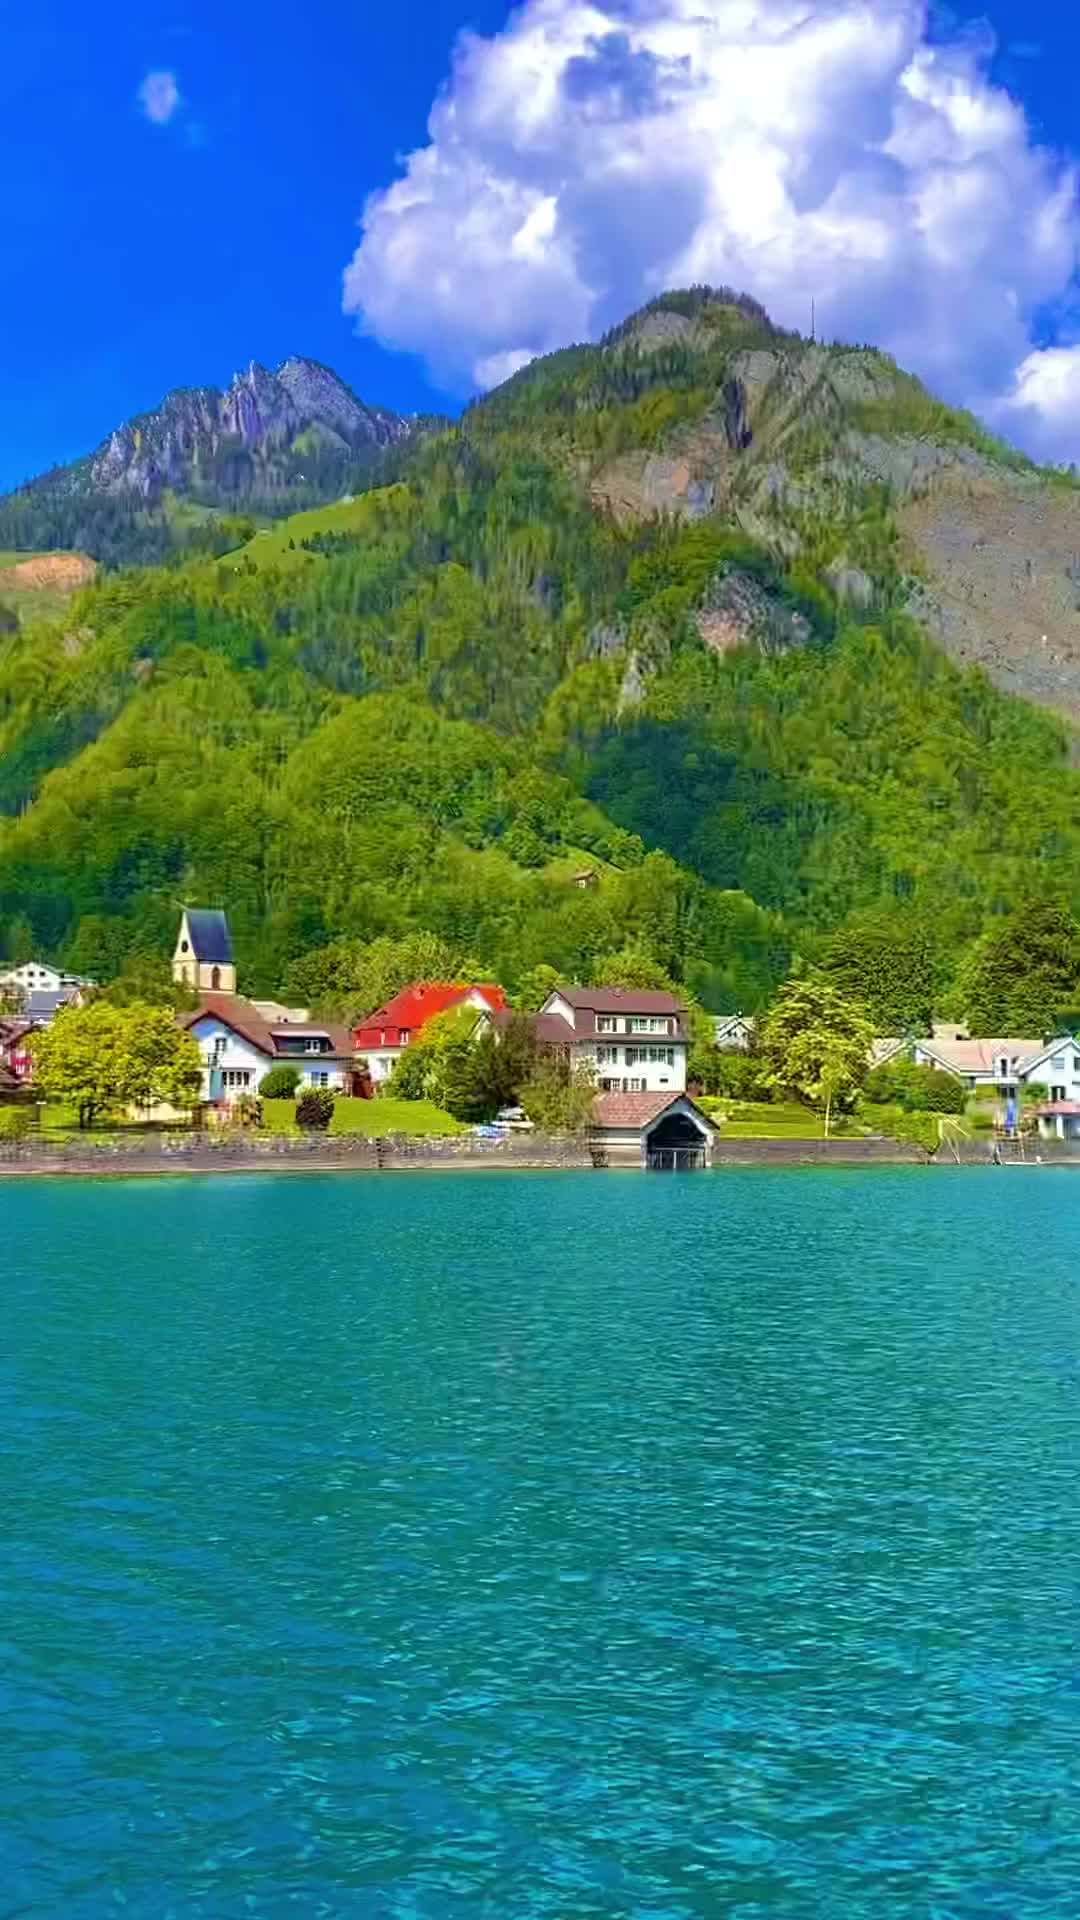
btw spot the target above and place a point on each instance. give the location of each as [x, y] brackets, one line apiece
[916, 1089]
[247, 1111]
[315, 1109]
[14, 1123]
[279, 1084]
[736, 1076]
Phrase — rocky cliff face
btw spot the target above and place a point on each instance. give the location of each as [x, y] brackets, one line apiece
[800, 438]
[240, 440]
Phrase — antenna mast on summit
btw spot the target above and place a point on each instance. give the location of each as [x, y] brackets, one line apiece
[813, 318]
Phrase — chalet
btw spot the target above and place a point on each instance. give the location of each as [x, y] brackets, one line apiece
[632, 1040]
[1001, 1064]
[734, 1032]
[238, 1047]
[383, 1036]
[203, 957]
[658, 1130]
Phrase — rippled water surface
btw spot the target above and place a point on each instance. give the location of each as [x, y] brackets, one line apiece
[545, 1545]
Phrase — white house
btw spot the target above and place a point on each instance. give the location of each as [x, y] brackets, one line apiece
[238, 1047]
[734, 1032]
[1003, 1064]
[632, 1040]
[41, 990]
[1057, 1068]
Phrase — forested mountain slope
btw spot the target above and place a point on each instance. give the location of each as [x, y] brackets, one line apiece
[648, 609]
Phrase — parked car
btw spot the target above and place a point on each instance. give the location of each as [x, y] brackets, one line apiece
[513, 1120]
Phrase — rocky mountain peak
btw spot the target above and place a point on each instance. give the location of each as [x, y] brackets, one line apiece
[241, 434]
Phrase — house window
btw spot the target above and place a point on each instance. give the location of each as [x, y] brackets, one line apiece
[236, 1079]
[635, 1086]
[315, 1046]
[215, 979]
[611, 1086]
[607, 1056]
[1057, 1093]
[317, 1078]
[606, 1023]
[1076, 1066]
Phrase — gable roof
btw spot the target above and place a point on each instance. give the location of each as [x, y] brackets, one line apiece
[618, 999]
[1051, 1047]
[208, 931]
[642, 1109]
[415, 1005]
[981, 1056]
[235, 1012]
[244, 1018]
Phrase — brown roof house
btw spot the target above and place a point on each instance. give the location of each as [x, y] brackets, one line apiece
[633, 1040]
[239, 1039]
[238, 1046]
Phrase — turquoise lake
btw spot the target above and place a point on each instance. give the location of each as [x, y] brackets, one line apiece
[535, 1547]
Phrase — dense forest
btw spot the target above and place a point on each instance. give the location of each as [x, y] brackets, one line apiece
[431, 707]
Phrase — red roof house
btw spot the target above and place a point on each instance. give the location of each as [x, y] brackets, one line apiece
[383, 1035]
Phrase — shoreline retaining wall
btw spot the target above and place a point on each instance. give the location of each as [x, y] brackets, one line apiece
[254, 1153]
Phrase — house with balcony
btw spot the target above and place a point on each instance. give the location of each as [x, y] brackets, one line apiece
[632, 1040]
[238, 1046]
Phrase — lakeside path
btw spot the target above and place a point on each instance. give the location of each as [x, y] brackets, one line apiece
[151, 1155]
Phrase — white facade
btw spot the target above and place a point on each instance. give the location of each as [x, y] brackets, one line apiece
[1057, 1069]
[733, 1032]
[628, 1052]
[36, 976]
[233, 1066]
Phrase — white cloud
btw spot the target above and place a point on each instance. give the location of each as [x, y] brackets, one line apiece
[159, 97]
[1042, 408]
[597, 151]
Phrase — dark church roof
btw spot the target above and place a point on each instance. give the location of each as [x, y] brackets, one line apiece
[209, 931]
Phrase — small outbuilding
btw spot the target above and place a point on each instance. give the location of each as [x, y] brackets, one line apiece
[663, 1131]
[1059, 1120]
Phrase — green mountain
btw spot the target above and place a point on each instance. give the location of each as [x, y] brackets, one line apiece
[708, 608]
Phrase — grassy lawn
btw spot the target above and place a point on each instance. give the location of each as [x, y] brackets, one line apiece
[270, 547]
[764, 1120]
[368, 1116]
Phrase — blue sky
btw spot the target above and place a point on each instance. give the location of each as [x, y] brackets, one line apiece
[142, 253]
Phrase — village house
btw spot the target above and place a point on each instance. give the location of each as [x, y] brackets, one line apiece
[16, 1058]
[239, 1039]
[632, 1040]
[734, 1032]
[1005, 1065]
[382, 1037]
[238, 1047]
[40, 990]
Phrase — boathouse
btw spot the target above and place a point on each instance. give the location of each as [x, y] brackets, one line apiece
[666, 1132]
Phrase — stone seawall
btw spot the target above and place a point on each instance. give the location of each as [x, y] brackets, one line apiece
[253, 1153]
[274, 1153]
